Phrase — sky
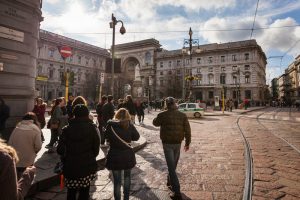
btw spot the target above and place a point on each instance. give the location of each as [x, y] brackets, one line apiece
[276, 27]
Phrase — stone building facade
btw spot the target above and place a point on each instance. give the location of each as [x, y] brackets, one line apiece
[237, 68]
[19, 34]
[289, 83]
[85, 64]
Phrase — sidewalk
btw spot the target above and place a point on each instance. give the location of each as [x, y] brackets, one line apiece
[211, 112]
[45, 162]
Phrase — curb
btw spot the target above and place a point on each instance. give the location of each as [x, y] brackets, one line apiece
[55, 179]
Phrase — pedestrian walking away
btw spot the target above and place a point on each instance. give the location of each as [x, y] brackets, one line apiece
[39, 110]
[78, 147]
[26, 140]
[174, 127]
[121, 158]
[100, 118]
[108, 110]
[129, 105]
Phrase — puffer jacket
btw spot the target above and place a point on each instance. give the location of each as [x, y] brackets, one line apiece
[26, 139]
[120, 156]
[79, 146]
[174, 127]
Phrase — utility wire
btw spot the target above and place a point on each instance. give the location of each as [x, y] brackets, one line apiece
[254, 19]
[177, 31]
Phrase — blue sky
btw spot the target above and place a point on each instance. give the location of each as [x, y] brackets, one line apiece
[169, 20]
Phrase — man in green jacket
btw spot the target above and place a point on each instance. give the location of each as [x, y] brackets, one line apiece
[174, 127]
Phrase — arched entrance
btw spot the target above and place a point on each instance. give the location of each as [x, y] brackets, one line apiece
[127, 76]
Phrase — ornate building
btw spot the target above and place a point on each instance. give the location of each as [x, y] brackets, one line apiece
[85, 65]
[19, 34]
[237, 68]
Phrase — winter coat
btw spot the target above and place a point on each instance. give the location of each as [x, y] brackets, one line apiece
[11, 189]
[108, 112]
[129, 105]
[58, 115]
[174, 127]
[26, 139]
[4, 115]
[120, 156]
[79, 146]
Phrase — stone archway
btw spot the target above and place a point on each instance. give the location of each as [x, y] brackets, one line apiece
[127, 77]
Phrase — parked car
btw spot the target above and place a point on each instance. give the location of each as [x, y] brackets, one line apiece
[191, 109]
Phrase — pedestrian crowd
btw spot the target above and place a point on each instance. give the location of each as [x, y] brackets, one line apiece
[72, 126]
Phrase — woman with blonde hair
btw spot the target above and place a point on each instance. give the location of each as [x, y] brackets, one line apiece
[11, 188]
[121, 158]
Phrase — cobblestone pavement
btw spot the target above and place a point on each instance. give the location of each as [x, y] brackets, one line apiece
[214, 167]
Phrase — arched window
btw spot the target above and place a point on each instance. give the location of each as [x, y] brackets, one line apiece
[210, 79]
[247, 78]
[222, 79]
[147, 58]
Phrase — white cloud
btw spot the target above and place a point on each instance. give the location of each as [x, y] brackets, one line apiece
[51, 1]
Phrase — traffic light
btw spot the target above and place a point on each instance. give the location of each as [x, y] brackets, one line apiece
[71, 78]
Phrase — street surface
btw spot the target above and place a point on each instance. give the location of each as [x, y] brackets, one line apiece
[215, 166]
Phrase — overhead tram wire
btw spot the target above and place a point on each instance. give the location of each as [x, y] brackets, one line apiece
[177, 31]
[254, 19]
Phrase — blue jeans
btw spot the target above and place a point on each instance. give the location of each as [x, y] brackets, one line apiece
[117, 176]
[172, 153]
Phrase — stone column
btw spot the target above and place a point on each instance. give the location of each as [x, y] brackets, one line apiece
[19, 34]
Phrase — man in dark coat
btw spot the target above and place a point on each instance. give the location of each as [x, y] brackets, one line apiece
[108, 110]
[100, 116]
[174, 127]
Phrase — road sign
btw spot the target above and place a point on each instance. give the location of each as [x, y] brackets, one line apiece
[65, 51]
[102, 78]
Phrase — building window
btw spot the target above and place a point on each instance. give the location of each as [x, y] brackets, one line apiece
[161, 82]
[210, 69]
[234, 58]
[211, 94]
[51, 53]
[247, 78]
[187, 61]
[161, 73]
[199, 82]
[246, 56]
[223, 69]
[40, 70]
[161, 64]
[210, 60]
[234, 79]
[79, 59]
[51, 72]
[210, 79]
[148, 57]
[178, 62]
[234, 94]
[198, 60]
[170, 63]
[248, 94]
[94, 62]
[87, 61]
[222, 79]
[178, 71]
[170, 72]
[198, 70]
[79, 78]
[234, 68]
[222, 58]
[247, 67]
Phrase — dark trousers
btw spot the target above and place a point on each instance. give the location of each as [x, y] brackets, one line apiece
[141, 117]
[54, 137]
[84, 193]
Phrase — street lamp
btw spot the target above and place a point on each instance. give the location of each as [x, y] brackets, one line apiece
[112, 25]
[189, 42]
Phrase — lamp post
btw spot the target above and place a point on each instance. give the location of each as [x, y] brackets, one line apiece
[112, 25]
[189, 42]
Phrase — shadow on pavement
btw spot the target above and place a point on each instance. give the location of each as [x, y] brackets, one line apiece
[150, 127]
[156, 163]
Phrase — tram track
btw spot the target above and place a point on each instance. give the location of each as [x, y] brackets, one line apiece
[249, 165]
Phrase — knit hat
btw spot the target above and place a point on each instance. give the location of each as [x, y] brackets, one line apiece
[80, 110]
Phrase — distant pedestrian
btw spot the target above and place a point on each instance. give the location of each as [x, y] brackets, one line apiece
[121, 158]
[57, 121]
[120, 103]
[4, 114]
[79, 146]
[129, 105]
[11, 188]
[139, 106]
[174, 127]
[81, 100]
[39, 110]
[100, 117]
[108, 110]
[26, 139]
[69, 106]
